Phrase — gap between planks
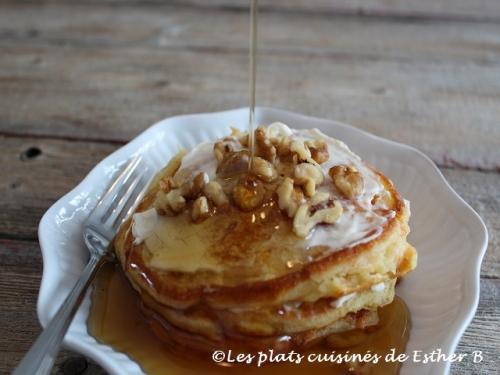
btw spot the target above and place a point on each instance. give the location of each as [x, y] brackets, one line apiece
[449, 164]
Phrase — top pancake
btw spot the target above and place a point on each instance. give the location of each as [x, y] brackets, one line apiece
[253, 257]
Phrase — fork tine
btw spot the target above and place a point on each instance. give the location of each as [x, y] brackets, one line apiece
[127, 200]
[137, 194]
[118, 188]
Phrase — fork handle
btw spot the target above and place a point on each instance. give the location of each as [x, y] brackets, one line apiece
[40, 358]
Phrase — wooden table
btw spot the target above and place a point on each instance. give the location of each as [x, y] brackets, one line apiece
[78, 81]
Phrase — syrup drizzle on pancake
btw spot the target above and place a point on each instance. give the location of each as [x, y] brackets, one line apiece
[116, 319]
[234, 237]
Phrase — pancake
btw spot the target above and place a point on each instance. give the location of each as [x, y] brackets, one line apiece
[288, 319]
[218, 252]
[178, 337]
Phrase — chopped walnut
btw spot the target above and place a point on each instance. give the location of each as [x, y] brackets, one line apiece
[170, 203]
[289, 199]
[300, 150]
[347, 180]
[224, 147]
[248, 194]
[214, 192]
[192, 188]
[319, 197]
[309, 176]
[175, 200]
[198, 182]
[263, 169]
[382, 199]
[200, 210]
[319, 150]
[283, 147]
[233, 164]
[265, 147]
[182, 176]
[242, 137]
[167, 183]
[303, 221]
[161, 205]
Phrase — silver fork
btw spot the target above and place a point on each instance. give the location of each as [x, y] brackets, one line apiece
[99, 229]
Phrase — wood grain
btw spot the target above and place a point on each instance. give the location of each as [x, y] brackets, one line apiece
[480, 10]
[222, 29]
[20, 274]
[482, 192]
[113, 94]
[471, 9]
[30, 185]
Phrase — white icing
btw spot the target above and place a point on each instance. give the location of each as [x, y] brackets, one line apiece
[143, 225]
[201, 158]
[354, 226]
[380, 287]
[339, 302]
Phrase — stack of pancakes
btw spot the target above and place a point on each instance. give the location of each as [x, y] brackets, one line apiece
[243, 278]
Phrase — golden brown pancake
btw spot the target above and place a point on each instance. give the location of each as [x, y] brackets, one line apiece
[258, 261]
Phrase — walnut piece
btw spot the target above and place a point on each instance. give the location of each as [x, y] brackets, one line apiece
[161, 205]
[300, 150]
[167, 183]
[170, 203]
[175, 200]
[319, 197]
[347, 180]
[263, 169]
[224, 147]
[192, 187]
[265, 147]
[214, 192]
[382, 199]
[289, 199]
[309, 176]
[319, 150]
[180, 177]
[248, 194]
[303, 221]
[242, 137]
[200, 210]
[283, 147]
[234, 163]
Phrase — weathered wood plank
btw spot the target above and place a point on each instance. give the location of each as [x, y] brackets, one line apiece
[482, 192]
[449, 9]
[483, 9]
[99, 92]
[437, 78]
[215, 29]
[479, 336]
[30, 186]
[20, 273]
[31, 182]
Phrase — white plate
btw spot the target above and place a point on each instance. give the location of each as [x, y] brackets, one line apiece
[442, 293]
